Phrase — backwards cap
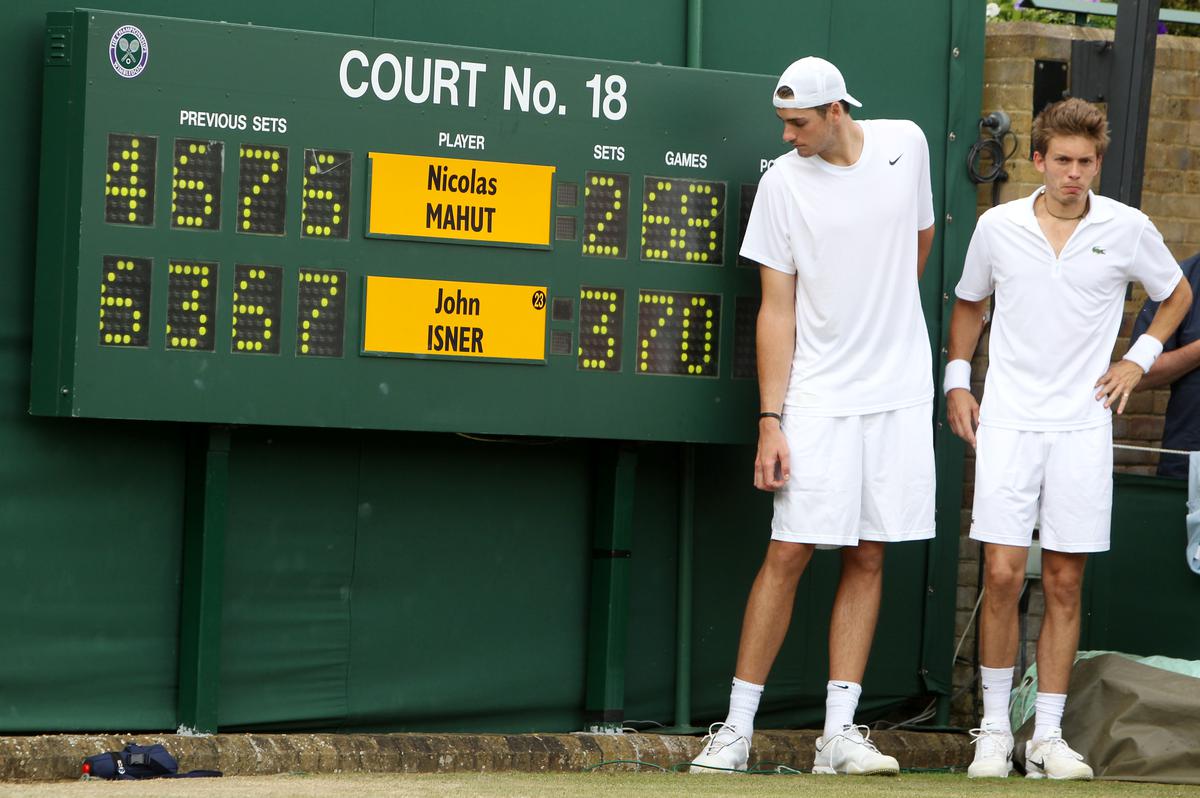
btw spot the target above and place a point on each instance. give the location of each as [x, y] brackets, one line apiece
[814, 82]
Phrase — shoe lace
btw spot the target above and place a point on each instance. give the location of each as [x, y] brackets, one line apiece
[719, 736]
[989, 741]
[1056, 745]
[860, 735]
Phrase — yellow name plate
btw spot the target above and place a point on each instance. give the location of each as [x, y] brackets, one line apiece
[415, 196]
[444, 319]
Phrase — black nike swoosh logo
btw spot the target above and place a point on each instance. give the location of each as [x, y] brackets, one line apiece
[898, 157]
[843, 686]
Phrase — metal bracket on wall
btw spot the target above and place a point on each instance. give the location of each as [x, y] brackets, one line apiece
[1049, 86]
[1091, 70]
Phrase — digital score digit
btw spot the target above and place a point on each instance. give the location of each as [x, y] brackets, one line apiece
[321, 316]
[191, 305]
[605, 214]
[257, 299]
[262, 189]
[125, 301]
[601, 319]
[325, 206]
[678, 333]
[683, 220]
[196, 184]
[129, 179]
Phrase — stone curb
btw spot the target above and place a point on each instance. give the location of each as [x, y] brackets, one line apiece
[56, 757]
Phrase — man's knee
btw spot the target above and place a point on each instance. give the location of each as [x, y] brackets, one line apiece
[1003, 577]
[1062, 578]
[789, 559]
[865, 558]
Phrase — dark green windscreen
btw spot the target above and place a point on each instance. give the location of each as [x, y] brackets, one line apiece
[468, 574]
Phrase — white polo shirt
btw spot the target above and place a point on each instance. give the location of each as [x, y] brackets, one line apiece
[849, 234]
[1056, 318]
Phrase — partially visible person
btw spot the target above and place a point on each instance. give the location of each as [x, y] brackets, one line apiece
[1058, 262]
[1179, 367]
[841, 228]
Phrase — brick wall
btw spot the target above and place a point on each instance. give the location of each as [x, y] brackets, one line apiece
[1170, 196]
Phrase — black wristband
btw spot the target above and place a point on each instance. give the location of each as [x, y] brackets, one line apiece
[775, 416]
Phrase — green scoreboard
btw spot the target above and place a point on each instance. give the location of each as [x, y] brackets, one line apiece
[247, 225]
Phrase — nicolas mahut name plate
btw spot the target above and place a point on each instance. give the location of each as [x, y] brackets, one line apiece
[486, 202]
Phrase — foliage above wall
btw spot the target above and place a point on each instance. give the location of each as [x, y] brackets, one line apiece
[1006, 10]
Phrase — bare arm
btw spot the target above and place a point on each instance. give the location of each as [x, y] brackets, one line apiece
[924, 245]
[776, 345]
[1123, 376]
[1172, 365]
[1171, 312]
[966, 325]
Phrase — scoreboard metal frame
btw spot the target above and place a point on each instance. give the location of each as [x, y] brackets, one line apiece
[213, 213]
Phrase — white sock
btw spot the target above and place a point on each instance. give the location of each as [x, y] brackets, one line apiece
[841, 699]
[997, 687]
[1049, 714]
[743, 703]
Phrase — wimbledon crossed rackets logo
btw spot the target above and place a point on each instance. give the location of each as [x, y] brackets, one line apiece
[128, 51]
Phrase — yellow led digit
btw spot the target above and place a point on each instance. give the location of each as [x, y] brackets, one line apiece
[191, 302]
[605, 215]
[196, 184]
[124, 301]
[257, 301]
[325, 198]
[262, 189]
[683, 220]
[601, 322]
[129, 179]
[678, 333]
[321, 313]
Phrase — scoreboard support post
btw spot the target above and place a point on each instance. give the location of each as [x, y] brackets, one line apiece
[203, 563]
[683, 602]
[608, 616]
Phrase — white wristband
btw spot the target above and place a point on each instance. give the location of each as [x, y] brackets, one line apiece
[958, 375]
[1145, 351]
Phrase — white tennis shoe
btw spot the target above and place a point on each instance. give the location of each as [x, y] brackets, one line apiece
[1052, 758]
[725, 750]
[851, 752]
[993, 754]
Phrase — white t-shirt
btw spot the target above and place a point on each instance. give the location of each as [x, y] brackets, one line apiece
[849, 234]
[1057, 318]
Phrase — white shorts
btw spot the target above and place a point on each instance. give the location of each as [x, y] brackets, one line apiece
[858, 478]
[1059, 481]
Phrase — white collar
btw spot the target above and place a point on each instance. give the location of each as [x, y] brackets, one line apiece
[1022, 211]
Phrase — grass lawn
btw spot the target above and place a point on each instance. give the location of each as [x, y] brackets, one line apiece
[656, 784]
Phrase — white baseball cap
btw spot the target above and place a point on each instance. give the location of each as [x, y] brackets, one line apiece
[813, 81]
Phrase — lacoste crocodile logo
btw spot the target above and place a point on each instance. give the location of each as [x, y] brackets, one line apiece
[1098, 251]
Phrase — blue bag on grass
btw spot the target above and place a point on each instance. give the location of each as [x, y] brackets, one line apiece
[138, 762]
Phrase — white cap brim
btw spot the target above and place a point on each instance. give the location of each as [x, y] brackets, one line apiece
[809, 103]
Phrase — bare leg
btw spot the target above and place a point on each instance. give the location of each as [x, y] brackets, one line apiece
[1003, 576]
[855, 611]
[1062, 580]
[769, 609]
